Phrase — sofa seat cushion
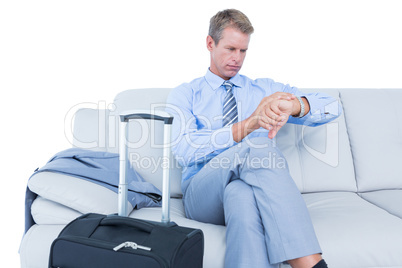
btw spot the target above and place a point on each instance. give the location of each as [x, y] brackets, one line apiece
[347, 225]
[35, 247]
[353, 232]
[389, 200]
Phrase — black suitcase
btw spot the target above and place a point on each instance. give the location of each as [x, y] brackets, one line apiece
[95, 240]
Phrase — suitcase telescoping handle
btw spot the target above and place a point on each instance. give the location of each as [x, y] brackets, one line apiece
[150, 115]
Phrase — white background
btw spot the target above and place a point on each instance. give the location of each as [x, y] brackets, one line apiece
[57, 54]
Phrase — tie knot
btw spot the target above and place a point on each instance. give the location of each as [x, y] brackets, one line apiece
[228, 85]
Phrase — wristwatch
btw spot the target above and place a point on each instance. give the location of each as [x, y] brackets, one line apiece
[301, 106]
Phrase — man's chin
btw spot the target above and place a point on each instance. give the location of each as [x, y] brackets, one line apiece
[231, 73]
[226, 74]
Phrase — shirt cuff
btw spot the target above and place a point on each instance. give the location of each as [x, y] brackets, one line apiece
[320, 113]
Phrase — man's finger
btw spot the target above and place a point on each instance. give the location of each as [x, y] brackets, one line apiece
[272, 133]
[271, 118]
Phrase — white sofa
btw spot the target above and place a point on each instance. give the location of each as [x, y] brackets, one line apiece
[349, 172]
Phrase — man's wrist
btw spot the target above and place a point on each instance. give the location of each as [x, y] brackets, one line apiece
[241, 129]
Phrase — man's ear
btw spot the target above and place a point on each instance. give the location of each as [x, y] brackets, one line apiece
[210, 43]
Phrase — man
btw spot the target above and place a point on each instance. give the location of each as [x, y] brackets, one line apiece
[223, 124]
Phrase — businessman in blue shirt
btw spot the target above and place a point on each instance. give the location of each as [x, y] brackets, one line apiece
[233, 174]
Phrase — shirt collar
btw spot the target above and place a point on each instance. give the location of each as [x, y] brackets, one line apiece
[215, 81]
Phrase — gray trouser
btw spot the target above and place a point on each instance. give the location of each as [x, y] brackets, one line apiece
[248, 187]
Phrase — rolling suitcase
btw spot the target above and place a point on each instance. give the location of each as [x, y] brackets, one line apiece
[95, 240]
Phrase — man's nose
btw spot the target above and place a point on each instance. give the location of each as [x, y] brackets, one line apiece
[236, 55]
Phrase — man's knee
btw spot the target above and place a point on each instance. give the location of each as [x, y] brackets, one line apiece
[238, 197]
[237, 191]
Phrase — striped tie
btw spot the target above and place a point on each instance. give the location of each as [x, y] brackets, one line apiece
[229, 105]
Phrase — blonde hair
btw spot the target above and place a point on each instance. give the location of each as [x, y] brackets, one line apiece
[229, 18]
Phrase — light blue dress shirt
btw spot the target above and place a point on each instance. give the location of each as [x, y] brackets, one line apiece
[197, 132]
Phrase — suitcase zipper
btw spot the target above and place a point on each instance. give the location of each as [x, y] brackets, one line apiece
[132, 245]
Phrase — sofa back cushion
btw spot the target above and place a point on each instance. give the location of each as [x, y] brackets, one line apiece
[98, 129]
[319, 157]
[374, 121]
[145, 138]
[91, 129]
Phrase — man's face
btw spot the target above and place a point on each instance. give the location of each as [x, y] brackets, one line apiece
[227, 57]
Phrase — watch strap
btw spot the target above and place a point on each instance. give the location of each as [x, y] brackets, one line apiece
[302, 108]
